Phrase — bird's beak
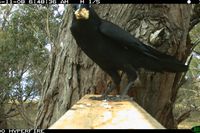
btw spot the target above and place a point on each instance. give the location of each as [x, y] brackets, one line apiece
[82, 13]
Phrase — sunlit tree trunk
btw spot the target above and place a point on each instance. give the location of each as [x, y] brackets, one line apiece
[71, 74]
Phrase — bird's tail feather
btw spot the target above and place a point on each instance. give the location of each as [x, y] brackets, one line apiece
[168, 62]
[164, 63]
[174, 66]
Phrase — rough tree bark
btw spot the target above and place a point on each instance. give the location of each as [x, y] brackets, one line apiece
[71, 74]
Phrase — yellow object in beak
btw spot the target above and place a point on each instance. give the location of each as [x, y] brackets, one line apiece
[82, 13]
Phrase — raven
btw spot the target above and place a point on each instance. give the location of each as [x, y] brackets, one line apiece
[114, 49]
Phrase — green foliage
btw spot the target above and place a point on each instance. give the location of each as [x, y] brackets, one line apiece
[194, 72]
[189, 93]
[25, 30]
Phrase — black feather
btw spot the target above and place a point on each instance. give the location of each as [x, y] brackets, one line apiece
[113, 49]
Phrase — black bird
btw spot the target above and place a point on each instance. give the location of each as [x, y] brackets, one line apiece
[114, 49]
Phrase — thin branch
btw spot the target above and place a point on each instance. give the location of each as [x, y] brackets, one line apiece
[196, 52]
[194, 22]
[21, 109]
[195, 18]
[6, 15]
[183, 80]
[183, 116]
[195, 44]
[47, 28]
[29, 94]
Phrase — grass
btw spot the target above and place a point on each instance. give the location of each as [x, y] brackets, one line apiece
[18, 122]
[188, 125]
[193, 120]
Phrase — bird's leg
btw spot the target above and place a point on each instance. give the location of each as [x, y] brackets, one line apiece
[115, 82]
[109, 89]
[125, 91]
[132, 76]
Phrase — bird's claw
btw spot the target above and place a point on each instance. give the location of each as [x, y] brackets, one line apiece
[113, 98]
[99, 98]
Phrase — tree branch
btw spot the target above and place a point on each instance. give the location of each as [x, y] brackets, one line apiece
[196, 52]
[195, 18]
[6, 15]
[183, 116]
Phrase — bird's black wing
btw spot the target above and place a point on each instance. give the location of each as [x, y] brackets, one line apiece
[125, 39]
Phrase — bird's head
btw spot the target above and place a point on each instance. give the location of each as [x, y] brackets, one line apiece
[81, 11]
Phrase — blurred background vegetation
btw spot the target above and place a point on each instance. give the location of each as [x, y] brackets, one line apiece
[27, 35]
[188, 100]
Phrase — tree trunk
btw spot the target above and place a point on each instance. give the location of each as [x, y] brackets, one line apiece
[71, 74]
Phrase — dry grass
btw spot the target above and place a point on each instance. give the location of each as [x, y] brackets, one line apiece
[194, 120]
[18, 122]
